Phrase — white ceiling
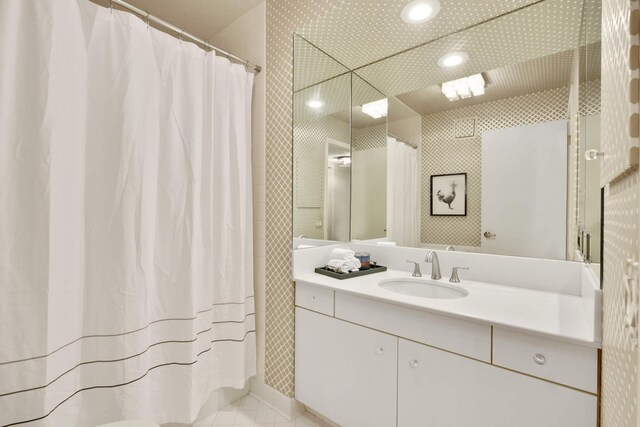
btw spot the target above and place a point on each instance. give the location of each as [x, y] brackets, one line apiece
[202, 18]
[535, 75]
[359, 32]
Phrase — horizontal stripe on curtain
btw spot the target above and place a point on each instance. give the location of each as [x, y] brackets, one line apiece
[126, 281]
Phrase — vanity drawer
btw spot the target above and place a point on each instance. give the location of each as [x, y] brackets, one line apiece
[558, 361]
[471, 339]
[314, 298]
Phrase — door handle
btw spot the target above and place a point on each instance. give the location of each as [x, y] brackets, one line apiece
[489, 235]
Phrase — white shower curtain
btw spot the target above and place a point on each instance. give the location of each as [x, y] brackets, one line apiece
[403, 194]
[126, 282]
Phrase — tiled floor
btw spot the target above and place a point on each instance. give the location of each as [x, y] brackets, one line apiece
[249, 411]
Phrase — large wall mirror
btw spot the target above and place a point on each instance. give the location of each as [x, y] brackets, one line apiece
[482, 136]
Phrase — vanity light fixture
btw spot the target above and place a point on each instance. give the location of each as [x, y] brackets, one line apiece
[376, 109]
[453, 59]
[315, 103]
[419, 11]
[463, 88]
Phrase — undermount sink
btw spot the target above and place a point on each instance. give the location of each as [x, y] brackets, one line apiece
[423, 288]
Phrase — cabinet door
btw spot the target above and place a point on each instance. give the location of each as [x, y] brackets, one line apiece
[441, 389]
[346, 372]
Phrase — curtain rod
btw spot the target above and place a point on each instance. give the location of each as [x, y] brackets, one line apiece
[403, 141]
[182, 33]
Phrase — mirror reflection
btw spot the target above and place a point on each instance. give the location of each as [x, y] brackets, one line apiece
[478, 140]
[321, 147]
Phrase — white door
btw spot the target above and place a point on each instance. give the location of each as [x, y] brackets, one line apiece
[524, 190]
[345, 372]
[441, 389]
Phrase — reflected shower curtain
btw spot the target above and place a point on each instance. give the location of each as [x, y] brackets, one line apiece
[126, 282]
[403, 197]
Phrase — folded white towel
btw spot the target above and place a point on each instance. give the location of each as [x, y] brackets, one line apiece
[340, 253]
[386, 243]
[345, 265]
[342, 265]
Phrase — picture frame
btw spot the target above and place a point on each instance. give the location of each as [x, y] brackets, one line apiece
[449, 194]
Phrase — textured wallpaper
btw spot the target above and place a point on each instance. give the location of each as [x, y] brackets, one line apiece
[284, 17]
[620, 28]
[370, 137]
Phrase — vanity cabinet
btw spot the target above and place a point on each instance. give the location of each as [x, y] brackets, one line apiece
[441, 389]
[365, 362]
[346, 372]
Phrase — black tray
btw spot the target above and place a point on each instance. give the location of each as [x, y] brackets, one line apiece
[342, 276]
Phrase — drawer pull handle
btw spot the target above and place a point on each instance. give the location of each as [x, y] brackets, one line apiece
[379, 351]
[414, 363]
[313, 297]
[540, 359]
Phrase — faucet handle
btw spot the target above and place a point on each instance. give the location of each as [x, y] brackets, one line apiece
[454, 274]
[416, 268]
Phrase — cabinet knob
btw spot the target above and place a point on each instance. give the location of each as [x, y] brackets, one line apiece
[414, 363]
[379, 351]
[313, 297]
[540, 359]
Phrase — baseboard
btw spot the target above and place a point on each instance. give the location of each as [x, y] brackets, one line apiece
[288, 407]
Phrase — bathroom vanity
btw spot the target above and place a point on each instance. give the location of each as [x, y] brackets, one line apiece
[499, 356]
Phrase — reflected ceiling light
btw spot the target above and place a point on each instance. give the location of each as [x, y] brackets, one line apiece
[376, 109]
[315, 103]
[463, 88]
[419, 11]
[344, 161]
[453, 59]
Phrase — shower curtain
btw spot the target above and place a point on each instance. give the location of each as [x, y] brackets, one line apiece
[403, 196]
[126, 282]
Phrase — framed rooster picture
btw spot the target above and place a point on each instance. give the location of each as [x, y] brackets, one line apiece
[449, 195]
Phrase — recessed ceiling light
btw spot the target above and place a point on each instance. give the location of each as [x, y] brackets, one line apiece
[453, 59]
[315, 103]
[419, 11]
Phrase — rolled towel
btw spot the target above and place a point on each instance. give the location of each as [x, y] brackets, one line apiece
[344, 265]
[340, 253]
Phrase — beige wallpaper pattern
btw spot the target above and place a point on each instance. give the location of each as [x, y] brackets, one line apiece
[620, 63]
[621, 216]
[284, 17]
[370, 137]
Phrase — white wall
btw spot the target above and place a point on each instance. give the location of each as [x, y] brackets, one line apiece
[246, 38]
[369, 197]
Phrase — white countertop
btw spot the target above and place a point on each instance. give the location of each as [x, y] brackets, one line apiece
[543, 313]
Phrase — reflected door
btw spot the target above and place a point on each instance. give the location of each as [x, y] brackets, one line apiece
[524, 190]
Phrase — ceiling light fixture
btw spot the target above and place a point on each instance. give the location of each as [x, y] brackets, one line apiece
[463, 88]
[376, 109]
[453, 59]
[419, 11]
[315, 103]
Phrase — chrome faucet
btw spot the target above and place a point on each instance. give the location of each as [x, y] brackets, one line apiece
[454, 274]
[416, 268]
[449, 248]
[432, 257]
